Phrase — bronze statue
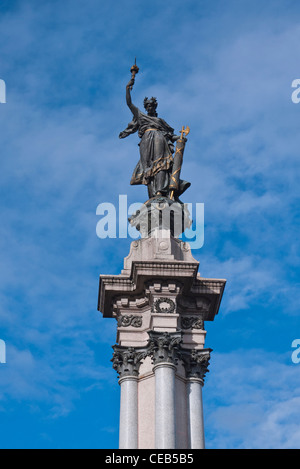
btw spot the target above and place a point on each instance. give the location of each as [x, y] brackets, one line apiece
[155, 167]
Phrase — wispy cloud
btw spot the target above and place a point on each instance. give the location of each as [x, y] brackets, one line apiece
[223, 69]
[252, 401]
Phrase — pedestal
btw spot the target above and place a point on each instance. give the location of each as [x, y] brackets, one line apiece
[160, 303]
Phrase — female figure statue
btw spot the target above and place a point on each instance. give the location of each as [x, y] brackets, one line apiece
[156, 147]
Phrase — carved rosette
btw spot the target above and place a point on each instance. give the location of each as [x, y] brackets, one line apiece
[196, 362]
[164, 347]
[127, 360]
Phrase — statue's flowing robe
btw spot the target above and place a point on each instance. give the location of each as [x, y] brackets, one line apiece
[156, 149]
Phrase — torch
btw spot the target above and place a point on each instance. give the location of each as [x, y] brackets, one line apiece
[134, 70]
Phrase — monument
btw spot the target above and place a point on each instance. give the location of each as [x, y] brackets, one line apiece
[160, 301]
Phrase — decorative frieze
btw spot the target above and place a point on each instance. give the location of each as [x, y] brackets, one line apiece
[192, 322]
[128, 320]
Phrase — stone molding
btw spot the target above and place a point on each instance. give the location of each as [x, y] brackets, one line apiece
[159, 266]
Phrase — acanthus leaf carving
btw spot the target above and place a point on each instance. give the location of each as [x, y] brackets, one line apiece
[127, 360]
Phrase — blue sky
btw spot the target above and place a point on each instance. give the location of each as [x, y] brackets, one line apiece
[223, 68]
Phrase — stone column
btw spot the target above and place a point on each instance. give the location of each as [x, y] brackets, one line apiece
[164, 348]
[196, 365]
[126, 361]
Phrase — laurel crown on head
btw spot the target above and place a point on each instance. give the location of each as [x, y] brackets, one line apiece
[151, 100]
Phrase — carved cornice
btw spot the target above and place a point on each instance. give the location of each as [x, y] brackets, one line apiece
[123, 302]
[197, 303]
[208, 286]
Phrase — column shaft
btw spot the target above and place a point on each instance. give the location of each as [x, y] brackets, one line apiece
[195, 406]
[128, 436]
[165, 406]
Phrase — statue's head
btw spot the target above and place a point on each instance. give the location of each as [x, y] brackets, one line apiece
[150, 105]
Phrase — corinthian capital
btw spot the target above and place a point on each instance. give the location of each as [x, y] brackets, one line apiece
[196, 362]
[164, 346]
[127, 360]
